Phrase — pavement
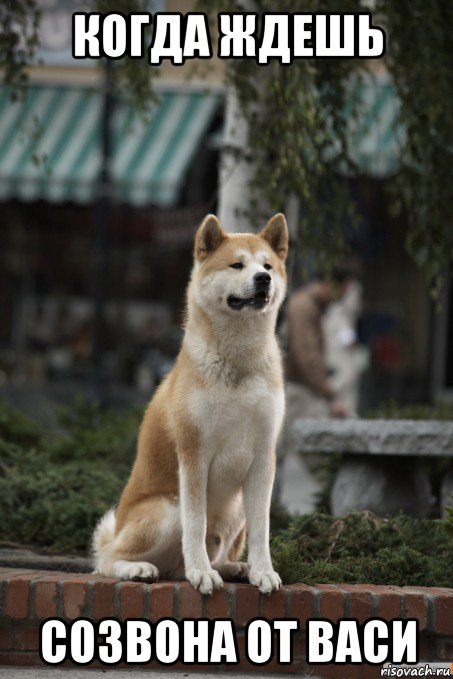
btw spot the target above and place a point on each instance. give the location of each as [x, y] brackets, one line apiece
[85, 673]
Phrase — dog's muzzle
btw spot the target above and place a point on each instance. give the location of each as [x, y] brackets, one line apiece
[260, 298]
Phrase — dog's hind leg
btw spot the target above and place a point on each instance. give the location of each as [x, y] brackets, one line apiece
[226, 560]
[148, 541]
[232, 568]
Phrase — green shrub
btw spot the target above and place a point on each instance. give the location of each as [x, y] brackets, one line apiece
[16, 427]
[391, 410]
[92, 433]
[53, 490]
[364, 548]
[54, 506]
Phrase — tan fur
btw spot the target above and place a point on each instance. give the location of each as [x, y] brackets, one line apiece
[206, 449]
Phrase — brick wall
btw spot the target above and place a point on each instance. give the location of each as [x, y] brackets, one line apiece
[28, 597]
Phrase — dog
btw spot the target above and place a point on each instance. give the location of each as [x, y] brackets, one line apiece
[205, 463]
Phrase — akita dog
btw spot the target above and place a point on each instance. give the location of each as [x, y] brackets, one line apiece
[206, 451]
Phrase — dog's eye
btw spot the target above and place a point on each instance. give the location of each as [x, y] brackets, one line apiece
[237, 265]
[268, 267]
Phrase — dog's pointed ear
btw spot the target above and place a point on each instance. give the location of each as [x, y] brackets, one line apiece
[208, 238]
[276, 234]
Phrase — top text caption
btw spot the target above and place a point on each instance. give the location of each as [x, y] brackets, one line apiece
[178, 37]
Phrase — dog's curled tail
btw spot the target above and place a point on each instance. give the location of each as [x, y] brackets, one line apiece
[102, 543]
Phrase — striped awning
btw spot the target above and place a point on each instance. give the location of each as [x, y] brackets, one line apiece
[50, 145]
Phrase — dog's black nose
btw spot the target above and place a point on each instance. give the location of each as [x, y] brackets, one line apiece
[262, 279]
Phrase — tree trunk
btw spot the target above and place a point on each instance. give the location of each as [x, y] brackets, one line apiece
[236, 168]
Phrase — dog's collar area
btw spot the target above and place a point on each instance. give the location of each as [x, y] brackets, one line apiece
[257, 301]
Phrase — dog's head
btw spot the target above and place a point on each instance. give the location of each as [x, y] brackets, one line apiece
[240, 273]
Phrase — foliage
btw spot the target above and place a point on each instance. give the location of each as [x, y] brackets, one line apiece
[449, 521]
[19, 38]
[133, 78]
[392, 410]
[54, 488]
[97, 434]
[363, 548]
[296, 116]
[17, 428]
[295, 112]
[19, 41]
[279, 517]
[55, 506]
[325, 467]
[421, 63]
[303, 107]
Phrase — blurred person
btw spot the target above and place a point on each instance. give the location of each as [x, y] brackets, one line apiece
[346, 359]
[310, 393]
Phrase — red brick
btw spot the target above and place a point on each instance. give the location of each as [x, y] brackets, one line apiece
[240, 638]
[299, 645]
[361, 606]
[7, 572]
[6, 637]
[190, 601]
[388, 599]
[273, 605]
[181, 669]
[103, 593]
[360, 602]
[435, 591]
[17, 596]
[45, 599]
[424, 649]
[416, 606]
[371, 671]
[272, 666]
[262, 670]
[331, 602]
[444, 615]
[247, 604]
[132, 600]
[74, 599]
[20, 659]
[337, 671]
[389, 605]
[218, 604]
[161, 594]
[27, 639]
[444, 649]
[53, 576]
[302, 603]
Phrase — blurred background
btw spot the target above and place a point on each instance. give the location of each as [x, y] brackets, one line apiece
[98, 208]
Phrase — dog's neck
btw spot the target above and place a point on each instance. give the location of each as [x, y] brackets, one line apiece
[230, 348]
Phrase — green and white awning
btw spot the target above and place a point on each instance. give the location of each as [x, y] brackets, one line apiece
[50, 145]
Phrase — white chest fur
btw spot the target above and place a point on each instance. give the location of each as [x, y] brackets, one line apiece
[235, 424]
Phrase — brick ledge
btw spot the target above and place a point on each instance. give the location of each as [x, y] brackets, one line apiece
[28, 596]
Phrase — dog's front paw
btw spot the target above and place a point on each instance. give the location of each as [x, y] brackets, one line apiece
[204, 580]
[266, 581]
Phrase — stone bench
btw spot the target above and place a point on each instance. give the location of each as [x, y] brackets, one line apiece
[380, 470]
